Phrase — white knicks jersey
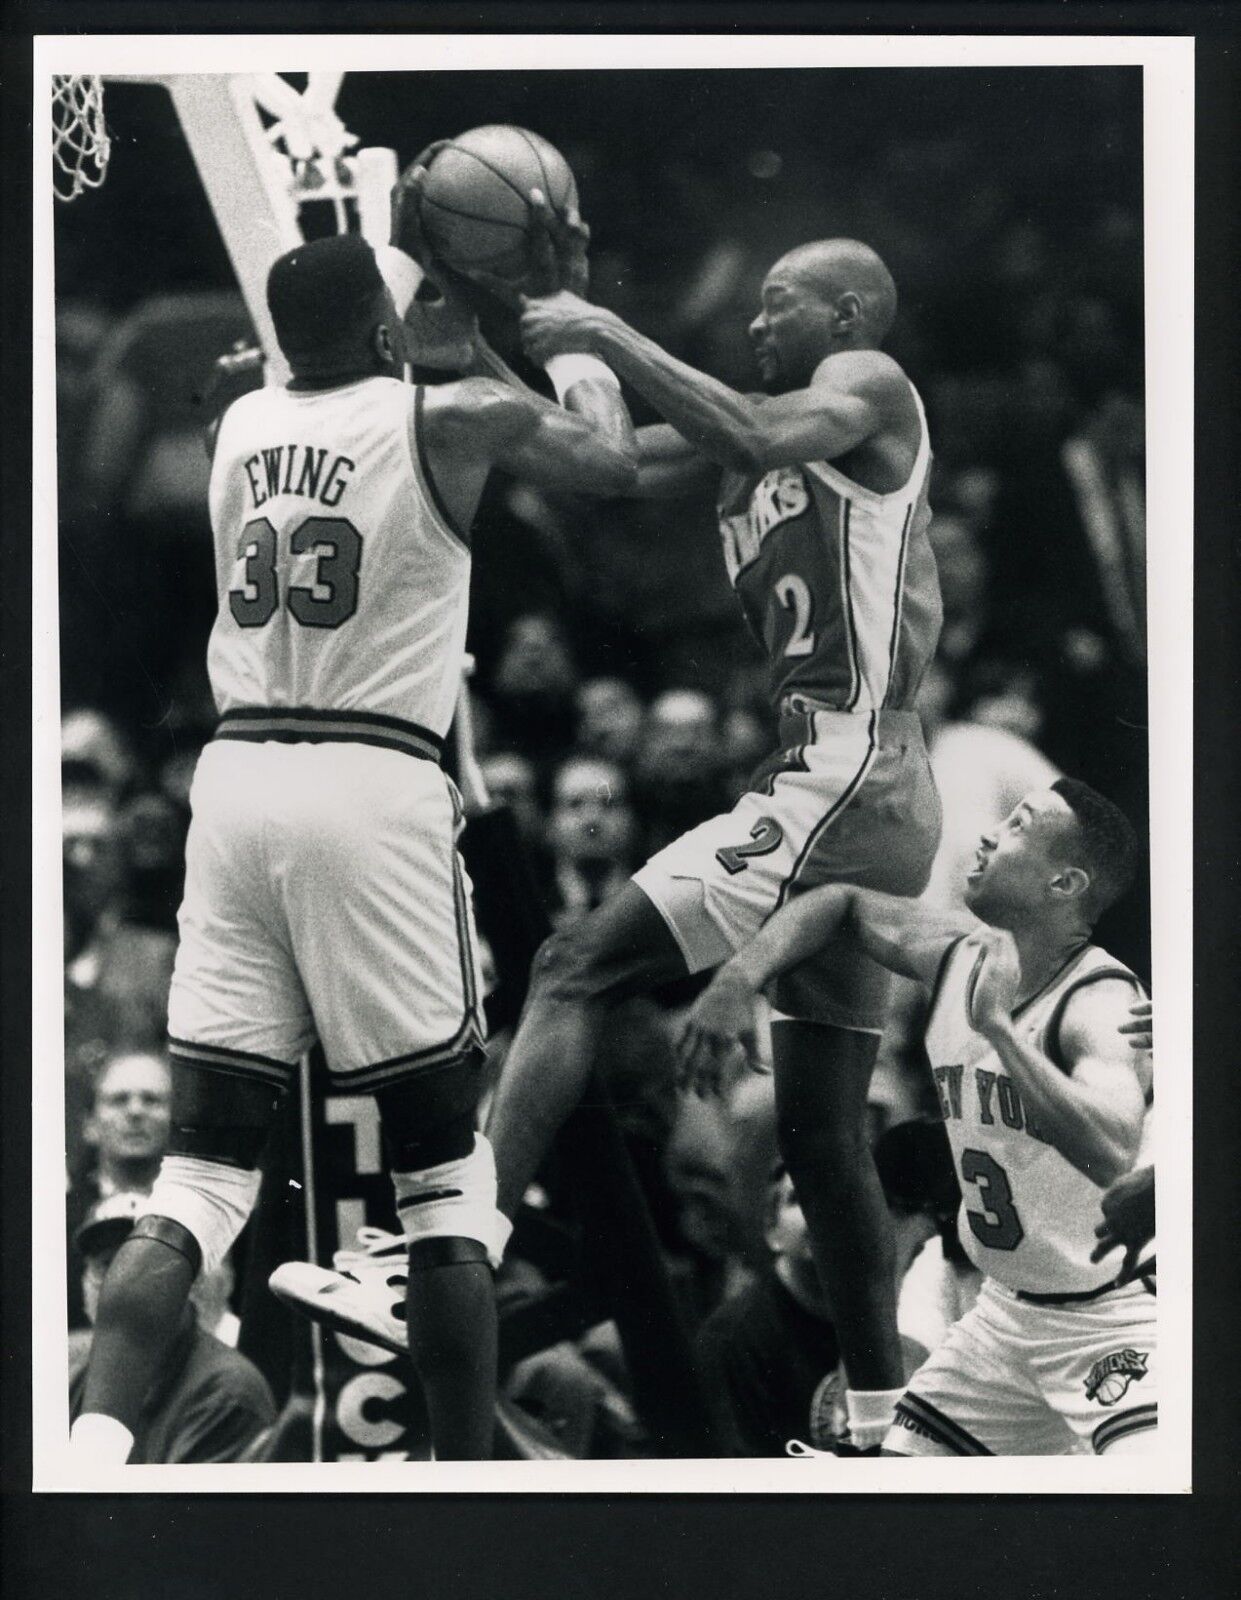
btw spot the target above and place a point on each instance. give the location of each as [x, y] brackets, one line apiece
[342, 587]
[1027, 1216]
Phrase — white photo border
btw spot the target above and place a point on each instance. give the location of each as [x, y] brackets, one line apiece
[1168, 71]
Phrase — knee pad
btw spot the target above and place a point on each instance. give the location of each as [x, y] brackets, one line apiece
[212, 1201]
[454, 1200]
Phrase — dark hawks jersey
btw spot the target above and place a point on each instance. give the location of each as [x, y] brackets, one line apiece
[837, 582]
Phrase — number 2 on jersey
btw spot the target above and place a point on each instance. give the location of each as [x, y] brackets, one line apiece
[997, 1225]
[794, 595]
[339, 547]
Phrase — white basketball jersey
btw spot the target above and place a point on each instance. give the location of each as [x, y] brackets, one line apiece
[342, 587]
[1027, 1216]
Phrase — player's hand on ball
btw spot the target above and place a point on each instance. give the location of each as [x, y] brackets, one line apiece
[558, 250]
[558, 324]
[407, 230]
[719, 1023]
[1140, 1029]
[998, 977]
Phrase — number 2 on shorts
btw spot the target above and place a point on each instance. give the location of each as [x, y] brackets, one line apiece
[765, 836]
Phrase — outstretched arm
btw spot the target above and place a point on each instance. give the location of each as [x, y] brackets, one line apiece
[1092, 1106]
[670, 467]
[479, 423]
[843, 406]
[903, 935]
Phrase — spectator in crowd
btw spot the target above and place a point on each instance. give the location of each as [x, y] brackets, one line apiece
[679, 777]
[116, 974]
[533, 688]
[94, 754]
[126, 1134]
[609, 719]
[765, 1350]
[747, 742]
[592, 833]
[210, 1404]
[511, 780]
[152, 828]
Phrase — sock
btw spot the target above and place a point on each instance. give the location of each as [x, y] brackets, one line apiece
[871, 1413]
[99, 1440]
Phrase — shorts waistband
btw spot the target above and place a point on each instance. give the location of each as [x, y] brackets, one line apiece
[804, 720]
[1070, 1298]
[305, 725]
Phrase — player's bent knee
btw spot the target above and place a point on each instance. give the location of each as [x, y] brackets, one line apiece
[454, 1201]
[219, 1117]
[209, 1199]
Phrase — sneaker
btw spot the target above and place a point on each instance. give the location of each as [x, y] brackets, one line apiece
[842, 1447]
[364, 1296]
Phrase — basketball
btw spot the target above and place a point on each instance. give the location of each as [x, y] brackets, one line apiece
[476, 200]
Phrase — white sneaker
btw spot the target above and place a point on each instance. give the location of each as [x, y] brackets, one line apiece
[363, 1297]
[804, 1452]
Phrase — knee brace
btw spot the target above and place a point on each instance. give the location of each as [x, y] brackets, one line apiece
[454, 1200]
[210, 1200]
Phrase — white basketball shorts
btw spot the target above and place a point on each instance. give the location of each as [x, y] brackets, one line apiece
[1016, 1379]
[849, 799]
[324, 899]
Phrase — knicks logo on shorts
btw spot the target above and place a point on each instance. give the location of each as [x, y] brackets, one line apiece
[1110, 1377]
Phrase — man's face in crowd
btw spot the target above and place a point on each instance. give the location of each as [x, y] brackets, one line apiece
[591, 816]
[609, 718]
[132, 1111]
[91, 854]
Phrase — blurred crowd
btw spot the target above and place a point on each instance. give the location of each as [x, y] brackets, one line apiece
[617, 699]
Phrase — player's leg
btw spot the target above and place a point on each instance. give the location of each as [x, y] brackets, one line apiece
[205, 1191]
[974, 1396]
[620, 949]
[822, 1075]
[1098, 1366]
[882, 835]
[443, 1173]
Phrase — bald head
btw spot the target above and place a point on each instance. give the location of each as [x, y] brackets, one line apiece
[831, 268]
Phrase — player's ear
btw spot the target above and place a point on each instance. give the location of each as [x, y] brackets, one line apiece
[848, 309]
[387, 345]
[1070, 883]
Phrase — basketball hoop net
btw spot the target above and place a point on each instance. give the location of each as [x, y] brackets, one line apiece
[80, 143]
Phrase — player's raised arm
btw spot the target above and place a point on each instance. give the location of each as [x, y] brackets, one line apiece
[850, 397]
[903, 935]
[479, 423]
[1091, 1101]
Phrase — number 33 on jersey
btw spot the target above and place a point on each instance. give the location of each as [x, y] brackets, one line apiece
[342, 583]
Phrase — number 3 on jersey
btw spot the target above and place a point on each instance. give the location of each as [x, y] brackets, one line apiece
[794, 595]
[338, 545]
[997, 1225]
